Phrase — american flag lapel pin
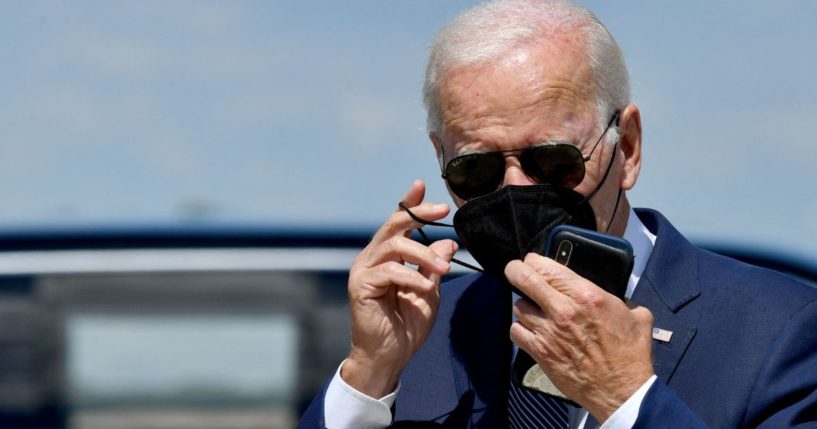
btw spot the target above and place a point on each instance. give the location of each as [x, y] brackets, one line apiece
[662, 335]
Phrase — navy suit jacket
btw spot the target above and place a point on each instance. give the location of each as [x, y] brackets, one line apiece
[743, 352]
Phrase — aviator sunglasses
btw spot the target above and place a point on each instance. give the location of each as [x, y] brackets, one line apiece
[476, 174]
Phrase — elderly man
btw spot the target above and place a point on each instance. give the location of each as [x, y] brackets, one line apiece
[530, 115]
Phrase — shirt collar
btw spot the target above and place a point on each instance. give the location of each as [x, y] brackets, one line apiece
[642, 241]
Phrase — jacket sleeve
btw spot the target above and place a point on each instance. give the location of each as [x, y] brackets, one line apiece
[662, 408]
[313, 416]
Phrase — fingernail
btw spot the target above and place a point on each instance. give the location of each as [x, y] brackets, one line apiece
[428, 283]
[439, 206]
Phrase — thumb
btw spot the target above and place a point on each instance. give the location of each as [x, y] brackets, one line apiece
[445, 249]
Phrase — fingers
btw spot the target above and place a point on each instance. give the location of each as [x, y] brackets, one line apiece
[433, 263]
[557, 275]
[445, 250]
[392, 247]
[400, 222]
[534, 319]
[377, 265]
[534, 285]
[545, 280]
[527, 312]
[402, 249]
[385, 275]
[523, 337]
[415, 194]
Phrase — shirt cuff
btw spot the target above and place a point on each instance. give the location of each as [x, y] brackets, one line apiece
[626, 415]
[345, 407]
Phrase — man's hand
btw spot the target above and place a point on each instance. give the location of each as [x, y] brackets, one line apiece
[393, 306]
[593, 347]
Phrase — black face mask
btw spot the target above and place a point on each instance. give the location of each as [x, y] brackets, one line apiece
[515, 220]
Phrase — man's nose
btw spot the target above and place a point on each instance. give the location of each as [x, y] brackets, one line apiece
[515, 175]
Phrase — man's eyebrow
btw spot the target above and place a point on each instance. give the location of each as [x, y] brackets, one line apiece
[466, 150]
[555, 140]
[469, 149]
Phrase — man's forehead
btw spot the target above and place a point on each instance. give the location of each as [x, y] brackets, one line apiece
[528, 81]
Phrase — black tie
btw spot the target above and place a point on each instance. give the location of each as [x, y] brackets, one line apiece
[529, 409]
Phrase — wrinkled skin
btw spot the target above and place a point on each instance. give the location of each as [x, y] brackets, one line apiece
[596, 349]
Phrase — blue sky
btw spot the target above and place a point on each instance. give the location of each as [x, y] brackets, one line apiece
[308, 112]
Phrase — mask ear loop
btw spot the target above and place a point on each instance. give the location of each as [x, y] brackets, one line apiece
[604, 179]
[606, 173]
[427, 241]
[615, 209]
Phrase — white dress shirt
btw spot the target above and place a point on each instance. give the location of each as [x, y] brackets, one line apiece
[345, 407]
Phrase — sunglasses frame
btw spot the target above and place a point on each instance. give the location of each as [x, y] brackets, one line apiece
[526, 166]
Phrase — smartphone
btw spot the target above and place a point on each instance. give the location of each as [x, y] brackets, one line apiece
[603, 259]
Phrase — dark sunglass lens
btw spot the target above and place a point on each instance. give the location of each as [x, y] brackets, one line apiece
[473, 175]
[559, 164]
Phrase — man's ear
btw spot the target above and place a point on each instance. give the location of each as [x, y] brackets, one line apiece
[630, 143]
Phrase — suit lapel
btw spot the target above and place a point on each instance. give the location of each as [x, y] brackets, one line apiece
[668, 284]
[666, 354]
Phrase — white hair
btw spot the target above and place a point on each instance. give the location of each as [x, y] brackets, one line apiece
[487, 31]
